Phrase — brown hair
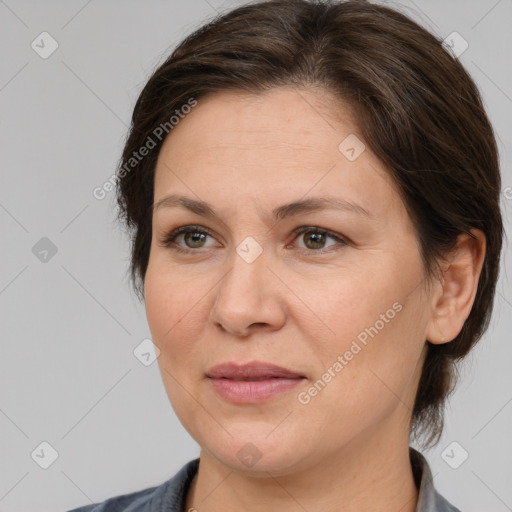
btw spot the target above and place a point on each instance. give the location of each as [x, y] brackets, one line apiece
[415, 105]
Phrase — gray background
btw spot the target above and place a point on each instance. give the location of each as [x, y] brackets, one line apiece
[69, 326]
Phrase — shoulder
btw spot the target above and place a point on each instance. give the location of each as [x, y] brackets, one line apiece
[133, 502]
[169, 496]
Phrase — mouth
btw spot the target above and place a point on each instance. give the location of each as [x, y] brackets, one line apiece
[255, 370]
[251, 383]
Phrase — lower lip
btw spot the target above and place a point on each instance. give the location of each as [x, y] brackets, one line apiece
[252, 391]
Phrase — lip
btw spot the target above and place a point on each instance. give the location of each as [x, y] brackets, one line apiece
[251, 371]
[253, 382]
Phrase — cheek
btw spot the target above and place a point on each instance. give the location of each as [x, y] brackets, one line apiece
[176, 316]
[174, 324]
[346, 304]
[170, 298]
[374, 340]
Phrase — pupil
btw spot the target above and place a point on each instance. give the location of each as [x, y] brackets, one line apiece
[317, 239]
[196, 237]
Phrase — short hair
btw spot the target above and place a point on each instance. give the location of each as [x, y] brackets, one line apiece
[415, 105]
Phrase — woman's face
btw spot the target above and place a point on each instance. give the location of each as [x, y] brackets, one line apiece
[346, 310]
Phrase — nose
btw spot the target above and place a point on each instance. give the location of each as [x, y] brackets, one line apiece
[249, 298]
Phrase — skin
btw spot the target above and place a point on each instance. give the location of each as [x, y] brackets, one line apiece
[245, 155]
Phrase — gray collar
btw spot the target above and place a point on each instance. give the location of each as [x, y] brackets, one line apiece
[429, 500]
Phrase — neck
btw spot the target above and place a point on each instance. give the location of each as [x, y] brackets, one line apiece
[370, 473]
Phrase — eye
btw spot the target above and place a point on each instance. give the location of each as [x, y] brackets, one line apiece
[315, 238]
[195, 236]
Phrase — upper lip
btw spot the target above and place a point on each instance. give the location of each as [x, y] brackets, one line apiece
[252, 370]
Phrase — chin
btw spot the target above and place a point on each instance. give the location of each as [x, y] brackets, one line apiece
[258, 455]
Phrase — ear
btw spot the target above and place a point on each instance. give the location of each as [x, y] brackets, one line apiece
[453, 302]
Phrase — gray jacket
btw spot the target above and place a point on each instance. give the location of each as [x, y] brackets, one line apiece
[170, 496]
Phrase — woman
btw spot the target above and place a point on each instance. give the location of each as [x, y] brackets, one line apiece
[313, 190]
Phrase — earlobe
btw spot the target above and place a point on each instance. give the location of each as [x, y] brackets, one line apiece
[459, 284]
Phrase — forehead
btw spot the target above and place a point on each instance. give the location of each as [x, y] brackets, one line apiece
[282, 143]
[295, 119]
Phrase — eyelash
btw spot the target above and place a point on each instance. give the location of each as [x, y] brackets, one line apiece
[169, 239]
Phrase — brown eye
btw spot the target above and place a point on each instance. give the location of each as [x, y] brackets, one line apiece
[317, 240]
[193, 237]
[314, 239]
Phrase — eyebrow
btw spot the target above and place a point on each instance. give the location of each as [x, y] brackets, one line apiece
[286, 210]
